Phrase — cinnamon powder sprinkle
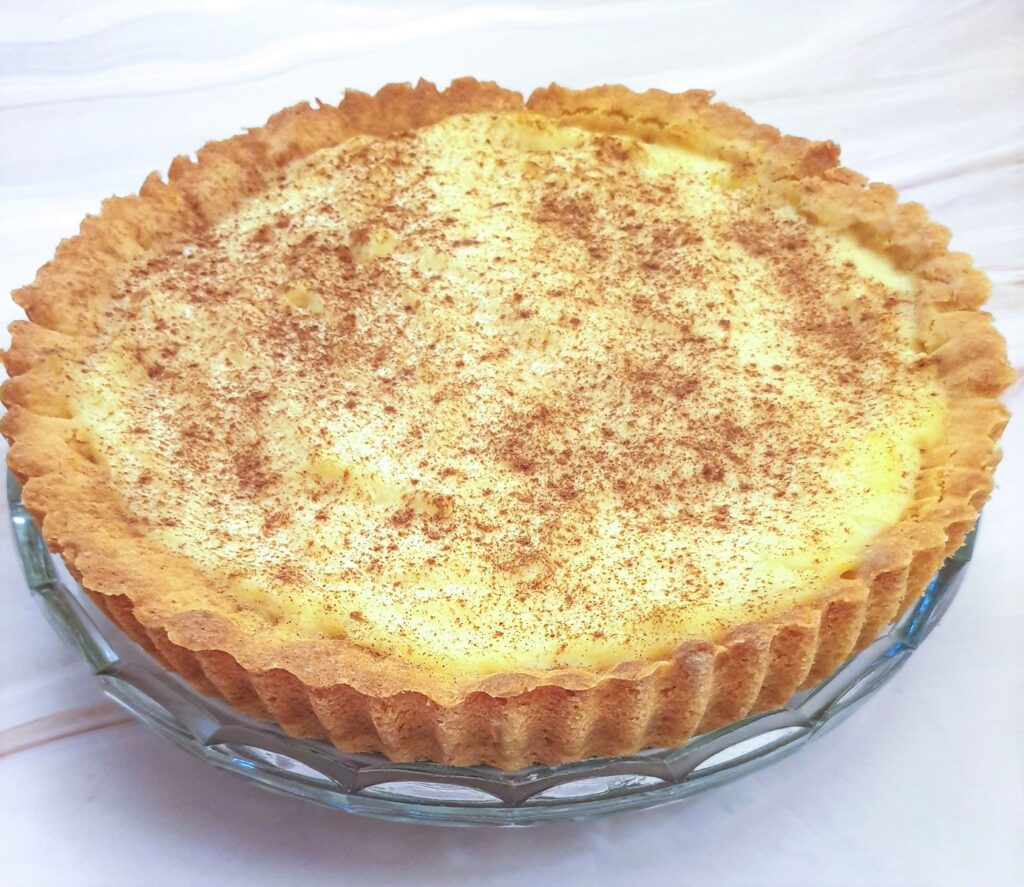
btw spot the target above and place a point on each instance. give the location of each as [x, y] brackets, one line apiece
[560, 386]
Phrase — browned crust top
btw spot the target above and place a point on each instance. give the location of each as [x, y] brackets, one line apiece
[73, 295]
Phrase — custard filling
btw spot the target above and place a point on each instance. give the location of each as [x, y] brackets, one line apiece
[505, 395]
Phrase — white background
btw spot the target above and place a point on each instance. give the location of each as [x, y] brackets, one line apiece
[923, 785]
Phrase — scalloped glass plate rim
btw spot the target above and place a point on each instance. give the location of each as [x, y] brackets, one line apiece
[424, 792]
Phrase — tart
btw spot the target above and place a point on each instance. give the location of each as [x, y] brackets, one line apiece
[467, 429]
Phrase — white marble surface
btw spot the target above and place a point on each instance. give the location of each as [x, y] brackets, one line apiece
[924, 785]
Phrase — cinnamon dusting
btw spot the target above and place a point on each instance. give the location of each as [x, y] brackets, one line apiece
[544, 374]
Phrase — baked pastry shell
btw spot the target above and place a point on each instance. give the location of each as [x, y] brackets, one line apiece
[361, 701]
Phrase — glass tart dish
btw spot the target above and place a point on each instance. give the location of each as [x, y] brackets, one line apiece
[424, 792]
[463, 429]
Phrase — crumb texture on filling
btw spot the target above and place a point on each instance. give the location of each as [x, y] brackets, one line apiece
[500, 394]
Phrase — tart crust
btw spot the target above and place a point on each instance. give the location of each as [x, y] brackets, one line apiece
[359, 702]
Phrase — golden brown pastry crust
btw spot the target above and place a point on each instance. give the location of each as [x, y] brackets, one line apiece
[330, 689]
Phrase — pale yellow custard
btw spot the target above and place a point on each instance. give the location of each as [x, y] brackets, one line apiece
[500, 394]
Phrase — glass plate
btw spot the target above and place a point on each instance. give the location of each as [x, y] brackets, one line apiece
[422, 792]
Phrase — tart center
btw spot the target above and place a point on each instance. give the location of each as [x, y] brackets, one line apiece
[502, 394]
